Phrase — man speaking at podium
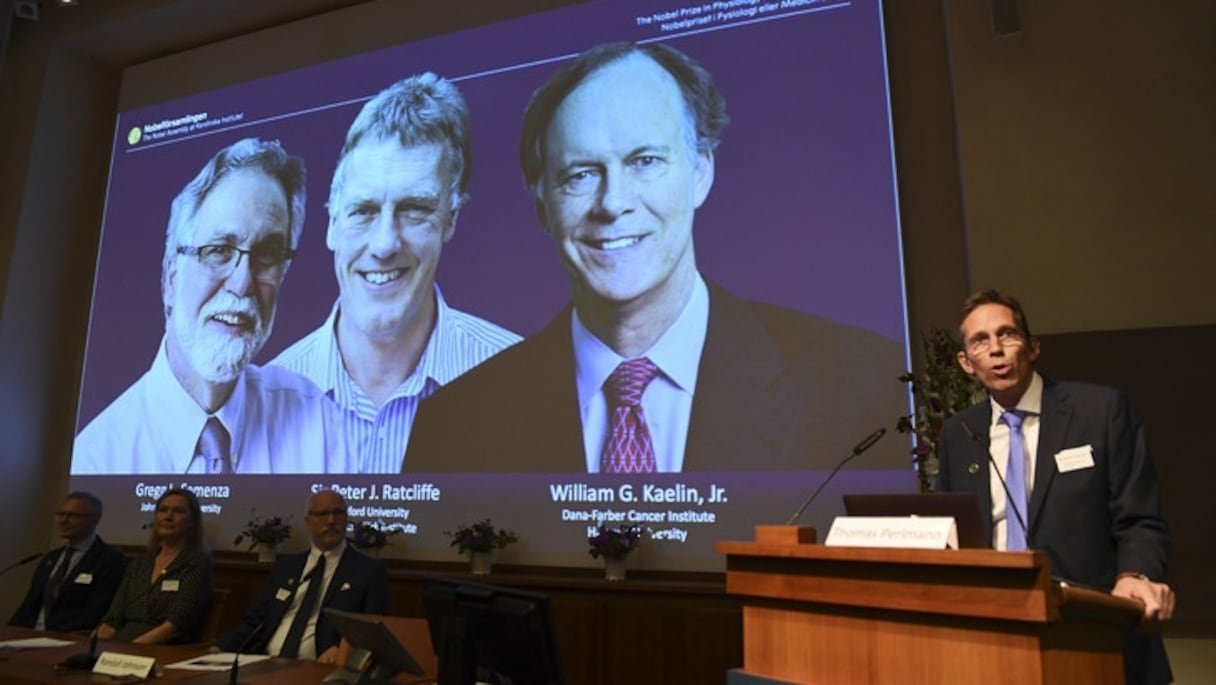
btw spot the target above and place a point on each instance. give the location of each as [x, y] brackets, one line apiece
[1073, 476]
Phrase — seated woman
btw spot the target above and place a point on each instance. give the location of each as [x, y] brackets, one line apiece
[165, 591]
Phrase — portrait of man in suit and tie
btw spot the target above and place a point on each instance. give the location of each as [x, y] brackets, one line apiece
[1061, 467]
[652, 368]
[203, 406]
[286, 619]
[73, 585]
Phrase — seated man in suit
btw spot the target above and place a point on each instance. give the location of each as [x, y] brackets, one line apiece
[654, 368]
[286, 620]
[74, 584]
[1073, 475]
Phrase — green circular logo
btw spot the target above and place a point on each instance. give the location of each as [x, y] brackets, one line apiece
[134, 135]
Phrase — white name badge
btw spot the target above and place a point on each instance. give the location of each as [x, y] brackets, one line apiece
[1075, 458]
[170, 585]
[282, 594]
[84, 579]
[122, 665]
[915, 532]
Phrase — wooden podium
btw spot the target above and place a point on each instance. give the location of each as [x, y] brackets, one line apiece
[816, 614]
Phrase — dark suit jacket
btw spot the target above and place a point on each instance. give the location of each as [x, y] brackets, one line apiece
[1094, 523]
[776, 389]
[79, 605]
[359, 584]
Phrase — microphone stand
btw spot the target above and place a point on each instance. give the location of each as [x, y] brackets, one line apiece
[1009, 502]
[236, 659]
[861, 447]
[20, 562]
[81, 661]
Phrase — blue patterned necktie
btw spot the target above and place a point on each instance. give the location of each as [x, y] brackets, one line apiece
[1015, 479]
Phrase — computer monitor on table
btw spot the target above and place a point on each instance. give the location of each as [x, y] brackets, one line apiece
[376, 655]
[488, 633]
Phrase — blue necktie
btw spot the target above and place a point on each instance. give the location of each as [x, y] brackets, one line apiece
[1015, 478]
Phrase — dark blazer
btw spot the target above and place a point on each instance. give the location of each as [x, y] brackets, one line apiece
[359, 584]
[776, 389]
[1093, 523]
[80, 605]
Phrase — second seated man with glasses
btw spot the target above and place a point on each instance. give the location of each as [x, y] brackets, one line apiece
[287, 619]
[203, 407]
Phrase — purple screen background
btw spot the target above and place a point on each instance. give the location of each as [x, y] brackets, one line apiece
[802, 212]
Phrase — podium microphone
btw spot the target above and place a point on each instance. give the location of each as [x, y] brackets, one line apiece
[21, 562]
[857, 449]
[1009, 501]
[81, 661]
[236, 660]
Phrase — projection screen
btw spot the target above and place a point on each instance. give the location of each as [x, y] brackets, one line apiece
[801, 215]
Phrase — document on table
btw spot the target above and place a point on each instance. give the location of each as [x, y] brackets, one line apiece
[221, 661]
[35, 643]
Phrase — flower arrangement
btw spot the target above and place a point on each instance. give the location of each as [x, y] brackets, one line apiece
[367, 535]
[942, 391]
[615, 542]
[482, 536]
[267, 530]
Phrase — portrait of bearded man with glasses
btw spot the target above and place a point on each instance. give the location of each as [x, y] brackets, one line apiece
[203, 406]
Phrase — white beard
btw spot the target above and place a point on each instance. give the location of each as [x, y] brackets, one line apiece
[214, 356]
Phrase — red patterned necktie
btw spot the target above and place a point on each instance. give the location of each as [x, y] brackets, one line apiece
[628, 449]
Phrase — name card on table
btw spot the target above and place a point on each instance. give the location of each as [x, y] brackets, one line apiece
[120, 665]
[914, 532]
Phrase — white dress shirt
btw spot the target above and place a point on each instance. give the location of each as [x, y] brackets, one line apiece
[667, 401]
[379, 435]
[279, 422]
[308, 641]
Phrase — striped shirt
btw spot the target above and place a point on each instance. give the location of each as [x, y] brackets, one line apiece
[379, 435]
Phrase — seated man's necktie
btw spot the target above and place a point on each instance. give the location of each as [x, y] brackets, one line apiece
[308, 608]
[55, 582]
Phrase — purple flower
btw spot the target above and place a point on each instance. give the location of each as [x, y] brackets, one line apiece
[367, 535]
[268, 530]
[480, 537]
[615, 543]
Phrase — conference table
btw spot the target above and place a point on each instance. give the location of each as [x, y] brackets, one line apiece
[36, 666]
